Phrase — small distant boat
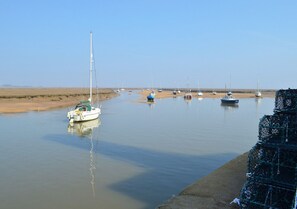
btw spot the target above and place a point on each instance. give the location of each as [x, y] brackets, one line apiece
[174, 92]
[160, 90]
[118, 91]
[84, 111]
[188, 96]
[229, 99]
[258, 93]
[178, 91]
[199, 91]
[151, 97]
[214, 93]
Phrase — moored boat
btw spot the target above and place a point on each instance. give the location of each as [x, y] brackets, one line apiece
[229, 99]
[188, 96]
[151, 97]
[258, 92]
[84, 111]
[200, 94]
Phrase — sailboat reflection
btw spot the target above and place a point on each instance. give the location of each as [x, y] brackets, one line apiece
[86, 129]
[83, 129]
[258, 100]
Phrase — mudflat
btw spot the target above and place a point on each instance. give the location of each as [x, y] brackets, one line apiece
[16, 100]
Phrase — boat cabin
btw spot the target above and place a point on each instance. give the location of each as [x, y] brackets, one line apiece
[83, 106]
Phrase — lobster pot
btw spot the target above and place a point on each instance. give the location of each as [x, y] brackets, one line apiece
[295, 205]
[278, 129]
[273, 165]
[286, 101]
[256, 195]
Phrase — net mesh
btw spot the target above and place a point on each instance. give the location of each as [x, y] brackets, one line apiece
[272, 170]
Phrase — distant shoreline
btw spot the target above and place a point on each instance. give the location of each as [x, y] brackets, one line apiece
[237, 93]
[19, 100]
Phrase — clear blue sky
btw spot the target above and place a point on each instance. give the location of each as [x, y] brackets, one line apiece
[142, 43]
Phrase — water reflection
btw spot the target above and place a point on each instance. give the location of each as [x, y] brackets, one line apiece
[258, 100]
[83, 129]
[188, 101]
[229, 107]
[86, 129]
[151, 105]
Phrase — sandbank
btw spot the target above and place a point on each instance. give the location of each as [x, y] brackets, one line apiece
[17, 100]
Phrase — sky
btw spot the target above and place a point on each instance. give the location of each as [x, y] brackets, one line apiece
[149, 43]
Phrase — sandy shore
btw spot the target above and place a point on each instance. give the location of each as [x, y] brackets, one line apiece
[214, 191]
[16, 100]
[208, 94]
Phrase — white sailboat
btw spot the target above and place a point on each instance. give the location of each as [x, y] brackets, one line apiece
[199, 91]
[258, 93]
[84, 111]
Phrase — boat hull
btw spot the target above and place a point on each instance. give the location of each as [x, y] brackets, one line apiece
[151, 97]
[80, 116]
[230, 101]
[188, 97]
[258, 94]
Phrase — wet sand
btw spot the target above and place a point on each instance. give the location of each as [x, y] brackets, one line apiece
[208, 94]
[17, 100]
[214, 191]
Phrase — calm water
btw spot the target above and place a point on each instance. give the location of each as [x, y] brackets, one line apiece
[136, 157]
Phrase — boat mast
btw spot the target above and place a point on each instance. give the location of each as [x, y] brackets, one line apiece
[91, 64]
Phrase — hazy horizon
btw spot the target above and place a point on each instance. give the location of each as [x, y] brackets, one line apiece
[131, 87]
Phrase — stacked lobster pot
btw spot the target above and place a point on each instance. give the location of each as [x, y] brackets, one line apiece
[272, 171]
